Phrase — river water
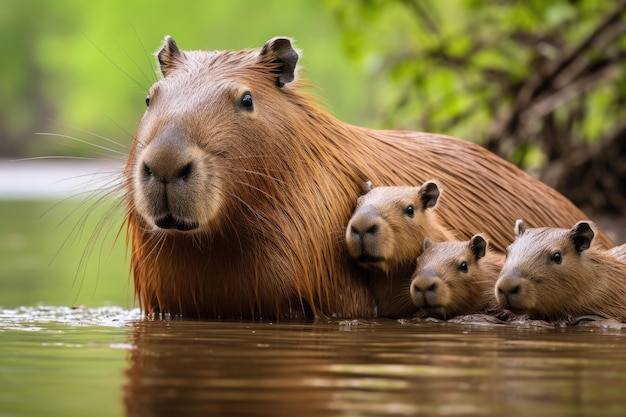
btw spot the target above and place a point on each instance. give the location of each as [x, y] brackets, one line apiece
[112, 361]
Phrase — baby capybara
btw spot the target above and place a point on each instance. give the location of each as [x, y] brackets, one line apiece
[555, 274]
[455, 278]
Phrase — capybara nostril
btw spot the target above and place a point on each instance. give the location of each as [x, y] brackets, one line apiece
[185, 172]
[146, 171]
[508, 286]
[175, 169]
[372, 230]
[424, 285]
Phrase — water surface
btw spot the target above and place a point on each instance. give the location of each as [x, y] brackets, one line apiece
[112, 361]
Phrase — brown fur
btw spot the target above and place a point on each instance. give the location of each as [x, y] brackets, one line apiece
[386, 234]
[618, 252]
[389, 225]
[264, 193]
[455, 278]
[586, 280]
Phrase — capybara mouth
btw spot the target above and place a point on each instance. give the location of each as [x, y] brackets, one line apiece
[432, 307]
[366, 258]
[513, 308]
[170, 222]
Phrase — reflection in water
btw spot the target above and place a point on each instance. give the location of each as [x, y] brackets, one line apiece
[179, 367]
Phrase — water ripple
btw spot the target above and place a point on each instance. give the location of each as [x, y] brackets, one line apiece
[36, 318]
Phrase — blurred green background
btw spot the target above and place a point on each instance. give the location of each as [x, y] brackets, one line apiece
[88, 65]
[541, 83]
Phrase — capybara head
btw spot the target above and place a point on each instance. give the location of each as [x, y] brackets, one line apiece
[548, 273]
[455, 278]
[186, 167]
[390, 223]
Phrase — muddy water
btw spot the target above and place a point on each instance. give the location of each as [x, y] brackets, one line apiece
[110, 361]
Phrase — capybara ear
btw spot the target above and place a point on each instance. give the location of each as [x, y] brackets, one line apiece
[581, 235]
[284, 57]
[367, 187]
[169, 56]
[429, 194]
[427, 243]
[519, 228]
[478, 246]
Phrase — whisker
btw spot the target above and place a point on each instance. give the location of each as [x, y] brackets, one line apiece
[265, 193]
[112, 62]
[105, 224]
[74, 138]
[95, 198]
[94, 134]
[57, 157]
[132, 59]
[122, 129]
[258, 173]
[147, 55]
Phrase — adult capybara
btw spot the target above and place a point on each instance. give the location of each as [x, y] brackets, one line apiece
[239, 188]
[386, 234]
[555, 274]
[455, 278]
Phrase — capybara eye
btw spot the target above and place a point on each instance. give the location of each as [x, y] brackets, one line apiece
[246, 101]
[557, 257]
[148, 100]
[463, 267]
[410, 210]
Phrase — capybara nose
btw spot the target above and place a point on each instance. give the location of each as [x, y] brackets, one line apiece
[365, 222]
[368, 229]
[425, 284]
[153, 170]
[169, 159]
[424, 290]
[508, 286]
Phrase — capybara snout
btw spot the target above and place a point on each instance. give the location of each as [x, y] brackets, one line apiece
[509, 292]
[389, 224]
[425, 290]
[169, 175]
[364, 235]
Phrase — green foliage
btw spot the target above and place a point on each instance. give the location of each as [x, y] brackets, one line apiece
[71, 65]
[489, 71]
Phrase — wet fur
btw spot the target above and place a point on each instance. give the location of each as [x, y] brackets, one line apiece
[284, 184]
[399, 240]
[618, 252]
[590, 282]
[459, 293]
